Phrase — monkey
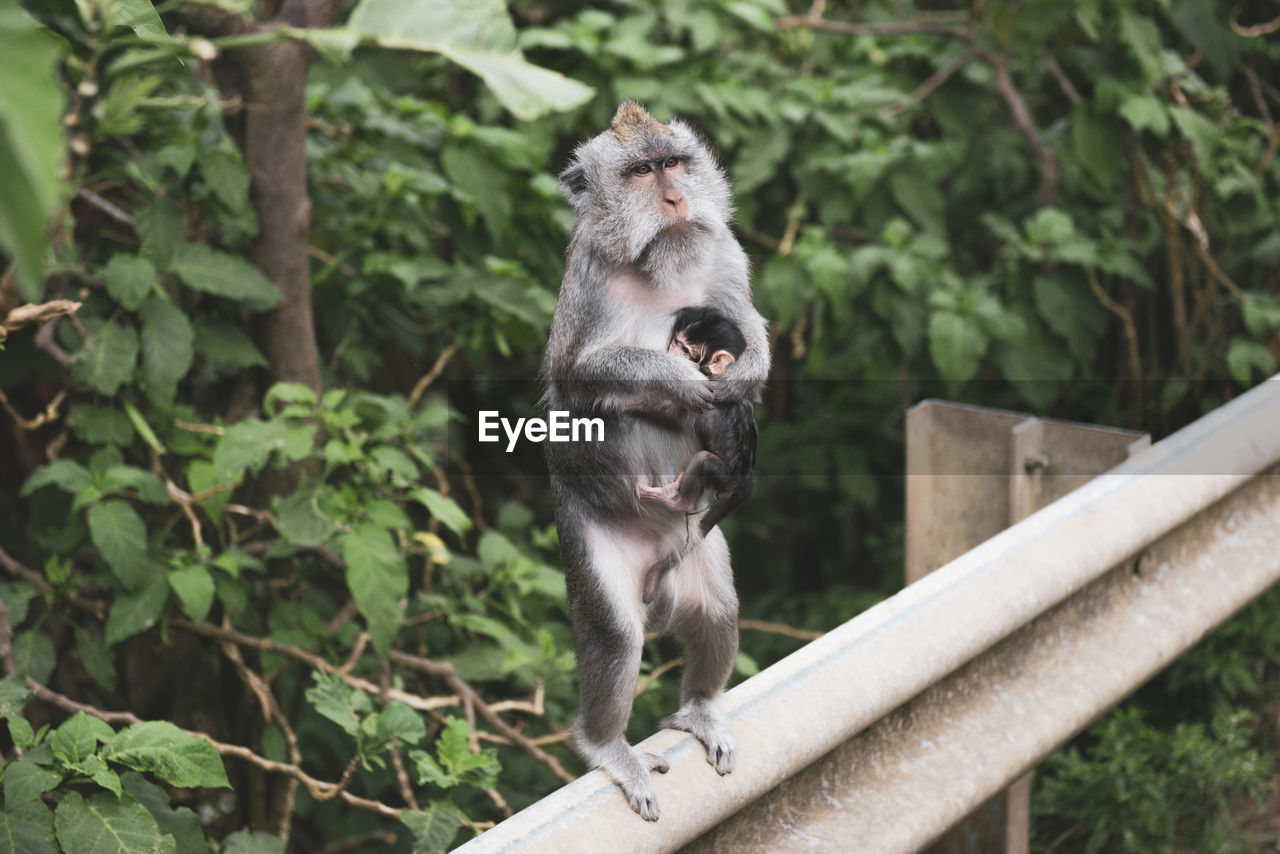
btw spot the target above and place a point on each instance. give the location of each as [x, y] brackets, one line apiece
[651, 236]
[726, 463]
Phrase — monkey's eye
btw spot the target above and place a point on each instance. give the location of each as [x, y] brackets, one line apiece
[670, 162]
[643, 169]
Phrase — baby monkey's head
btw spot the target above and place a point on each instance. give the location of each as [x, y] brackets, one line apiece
[708, 338]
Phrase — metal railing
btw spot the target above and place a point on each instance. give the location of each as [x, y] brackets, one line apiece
[886, 731]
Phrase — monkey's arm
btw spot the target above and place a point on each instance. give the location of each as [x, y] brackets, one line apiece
[744, 379]
[614, 378]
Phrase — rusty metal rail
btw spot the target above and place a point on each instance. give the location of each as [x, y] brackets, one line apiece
[888, 730]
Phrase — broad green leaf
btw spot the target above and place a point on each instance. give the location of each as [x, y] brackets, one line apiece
[477, 24]
[17, 596]
[26, 828]
[105, 824]
[1202, 133]
[1211, 33]
[445, 509]
[299, 520]
[956, 345]
[108, 358]
[67, 475]
[252, 842]
[920, 197]
[100, 425]
[228, 345]
[453, 747]
[1140, 34]
[167, 348]
[1145, 112]
[248, 444]
[1096, 144]
[339, 702]
[138, 611]
[194, 587]
[162, 749]
[14, 694]
[129, 279]
[1261, 313]
[1065, 310]
[218, 273]
[142, 17]
[433, 828]
[97, 770]
[528, 91]
[399, 721]
[31, 142]
[34, 653]
[147, 484]
[121, 538]
[96, 658]
[1245, 357]
[78, 737]
[182, 823]
[479, 36]
[25, 781]
[378, 579]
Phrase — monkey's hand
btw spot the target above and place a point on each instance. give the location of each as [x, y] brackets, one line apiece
[692, 391]
[729, 388]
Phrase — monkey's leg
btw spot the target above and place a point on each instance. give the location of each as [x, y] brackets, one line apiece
[608, 635]
[686, 492]
[706, 625]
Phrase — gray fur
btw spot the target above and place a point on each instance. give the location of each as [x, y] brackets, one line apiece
[629, 270]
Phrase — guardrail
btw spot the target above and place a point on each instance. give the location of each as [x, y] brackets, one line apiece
[886, 731]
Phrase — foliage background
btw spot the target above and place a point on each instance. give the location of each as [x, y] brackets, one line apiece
[263, 526]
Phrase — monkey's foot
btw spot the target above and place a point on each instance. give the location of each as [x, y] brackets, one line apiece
[630, 769]
[668, 494]
[702, 719]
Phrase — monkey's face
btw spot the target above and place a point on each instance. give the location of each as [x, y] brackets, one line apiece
[643, 187]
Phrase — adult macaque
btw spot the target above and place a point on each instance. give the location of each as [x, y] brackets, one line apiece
[652, 237]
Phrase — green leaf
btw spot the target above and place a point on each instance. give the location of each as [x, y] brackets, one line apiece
[252, 842]
[162, 749]
[339, 702]
[920, 197]
[378, 579]
[479, 36]
[1244, 357]
[400, 721]
[31, 142]
[121, 538]
[26, 829]
[67, 475]
[299, 520]
[453, 747]
[1067, 312]
[247, 444]
[100, 425]
[129, 279]
[167, 348]
[445, 509]
[25, 781]
[1202, 133]
[142, 17]
[34, 653]
[194, 587]
[1261, 313]
[1211, 34]
[956, 345]
[105, 824]
[226, 344]
[1140, 34]
[1096, 145]
[96, 769]
[180, 822]
[218, 273]
[96, 658]
[78, 737]
[433, 828]
[147, 484]
[1145, 112]
[108, 358]
[138, 611]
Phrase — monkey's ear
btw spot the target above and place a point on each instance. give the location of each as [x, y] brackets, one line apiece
[574, 178]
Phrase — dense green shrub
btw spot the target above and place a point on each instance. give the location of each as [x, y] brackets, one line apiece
[1064, 208]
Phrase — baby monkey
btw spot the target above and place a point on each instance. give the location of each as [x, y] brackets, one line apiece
[727, 462]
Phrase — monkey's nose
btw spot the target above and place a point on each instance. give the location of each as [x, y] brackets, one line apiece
[673, 203]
